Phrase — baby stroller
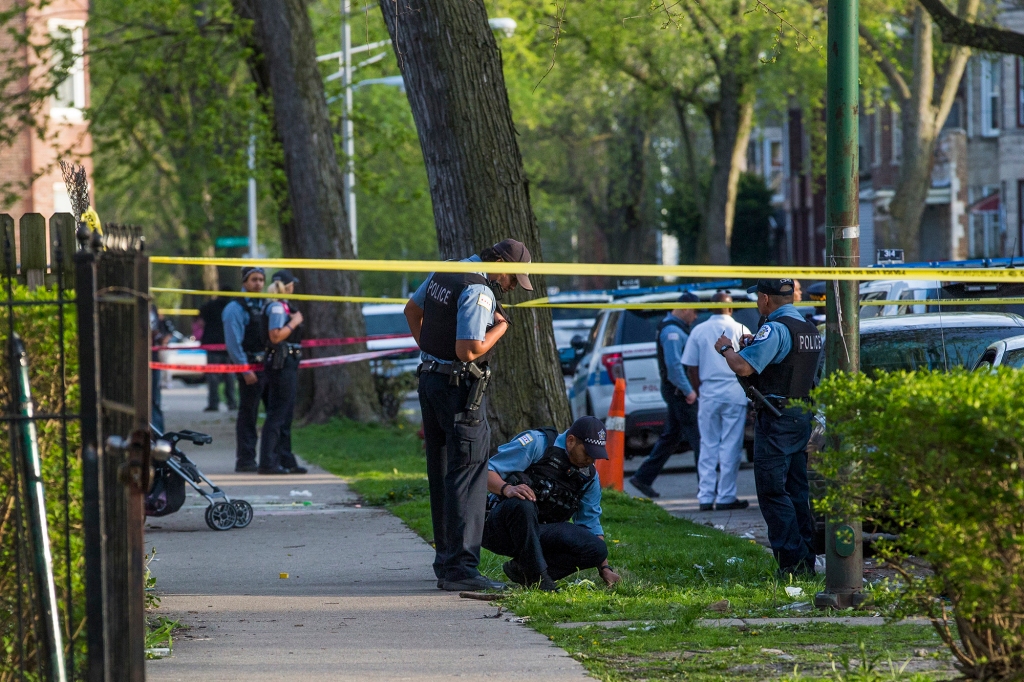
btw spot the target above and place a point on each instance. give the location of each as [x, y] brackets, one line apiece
[172, 470]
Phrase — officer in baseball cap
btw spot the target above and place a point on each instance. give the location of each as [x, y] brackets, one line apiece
[780, 361]
[457, 320]
[243, 324]
[538, 482]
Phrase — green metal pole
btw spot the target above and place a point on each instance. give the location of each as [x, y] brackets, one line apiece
[844, 557]
[46, 594]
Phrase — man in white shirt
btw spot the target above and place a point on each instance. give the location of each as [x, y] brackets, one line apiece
[722, 411]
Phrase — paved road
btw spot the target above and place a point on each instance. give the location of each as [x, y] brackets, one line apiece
[359, 603]
[679, 498]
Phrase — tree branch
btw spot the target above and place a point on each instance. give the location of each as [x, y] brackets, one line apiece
[889, 69]
[957, 31]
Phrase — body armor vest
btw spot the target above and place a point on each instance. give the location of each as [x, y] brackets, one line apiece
[671, 321]
[441, 311]
[558, 484]
[252, 340]
[794, 376]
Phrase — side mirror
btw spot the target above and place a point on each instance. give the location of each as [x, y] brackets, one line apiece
[579, 344]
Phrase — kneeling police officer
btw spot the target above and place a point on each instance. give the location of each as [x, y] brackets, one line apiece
[540, 481]
[778, 366]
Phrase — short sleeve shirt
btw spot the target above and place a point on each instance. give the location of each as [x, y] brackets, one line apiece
[277, 315]
[772, 342]
[475, 314]
[527, 448]
[718, 382]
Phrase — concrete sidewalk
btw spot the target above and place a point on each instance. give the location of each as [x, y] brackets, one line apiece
[359, 603]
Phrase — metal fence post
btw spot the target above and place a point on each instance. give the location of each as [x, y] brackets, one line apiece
[844, 563]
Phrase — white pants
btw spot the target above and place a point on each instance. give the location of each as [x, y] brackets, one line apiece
[721, 445]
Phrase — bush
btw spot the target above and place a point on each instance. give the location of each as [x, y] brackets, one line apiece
[38, 328]
[939, 458]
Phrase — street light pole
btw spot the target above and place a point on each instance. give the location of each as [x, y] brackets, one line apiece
[844, 551]
[253, 246]
[347, 140]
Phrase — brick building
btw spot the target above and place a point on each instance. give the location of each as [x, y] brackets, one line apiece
[29, 164]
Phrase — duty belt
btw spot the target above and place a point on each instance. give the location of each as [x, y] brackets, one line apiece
[256, 358]
[434, 366]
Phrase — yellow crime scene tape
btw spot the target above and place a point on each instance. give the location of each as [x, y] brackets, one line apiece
[178, 311]
[291, 297]
[615, 269]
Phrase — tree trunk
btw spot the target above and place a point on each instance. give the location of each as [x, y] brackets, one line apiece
[452, 70]
[318, 227]
[924, 112]
[730, 120]
[629, 235]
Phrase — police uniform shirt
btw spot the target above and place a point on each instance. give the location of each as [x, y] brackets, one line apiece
[673, 340]
[772, 342]
[475, 315]
[528, 448]
[235, 318]
[277, 315]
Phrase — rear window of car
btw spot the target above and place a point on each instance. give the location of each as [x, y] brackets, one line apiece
[933, 348]
[1014, 358]
[387, 323]
[640, 326]
[573, 313]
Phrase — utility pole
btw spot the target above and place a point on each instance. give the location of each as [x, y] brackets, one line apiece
[844, 550]
[254, 251]
[347, 141]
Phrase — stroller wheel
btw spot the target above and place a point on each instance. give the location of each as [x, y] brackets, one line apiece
[220, 516]
[243, 513]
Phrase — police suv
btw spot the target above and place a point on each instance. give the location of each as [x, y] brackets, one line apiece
[622, 344]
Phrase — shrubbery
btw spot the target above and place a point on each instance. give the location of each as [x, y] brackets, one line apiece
[939, 459]
[38, 328]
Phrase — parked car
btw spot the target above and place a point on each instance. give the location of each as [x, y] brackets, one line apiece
[383, 319]
[1003, 353]
[940, 341]
[622, 344]
[183, 350]
[572, 325]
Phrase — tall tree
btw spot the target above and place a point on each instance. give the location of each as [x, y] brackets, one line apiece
[923, 81]
[453, 76]
[286, 62]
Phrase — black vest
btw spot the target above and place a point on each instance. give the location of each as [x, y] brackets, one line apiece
[794, 376]
[252, 340]
[559, 485]
[670, 321]
[441, 312]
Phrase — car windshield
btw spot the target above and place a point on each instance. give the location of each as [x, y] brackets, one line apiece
[387, 323]
[1014, 358]
[640, 326]
[912, 349]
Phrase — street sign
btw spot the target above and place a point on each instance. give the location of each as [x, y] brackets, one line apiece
[231, 242]
[889, 256]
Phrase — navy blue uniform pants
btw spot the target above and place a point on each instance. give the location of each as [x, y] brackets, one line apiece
[561, 549]
[457, 444]
[680, 425]
[276, 438]
[249, 397]
[780, 474]
[215, 379]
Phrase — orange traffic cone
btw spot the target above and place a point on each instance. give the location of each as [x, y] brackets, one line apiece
[611, 470]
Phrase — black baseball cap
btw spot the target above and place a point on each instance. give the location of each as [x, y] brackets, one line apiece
[249, 269]
[284, 277]
[689, 297]
[590, 430]
[512, 251]
[777, 287]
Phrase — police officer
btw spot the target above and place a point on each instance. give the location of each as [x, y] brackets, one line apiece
[679, 396]
[538, 482]
[780, 361]
[283, 333]
[243, 337]
[456, 321]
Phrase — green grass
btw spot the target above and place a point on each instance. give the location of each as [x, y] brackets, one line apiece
[672, 571]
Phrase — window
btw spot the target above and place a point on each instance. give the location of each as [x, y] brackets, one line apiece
[989, 97]
[69, 69]
[61, 200]
[897, 138]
